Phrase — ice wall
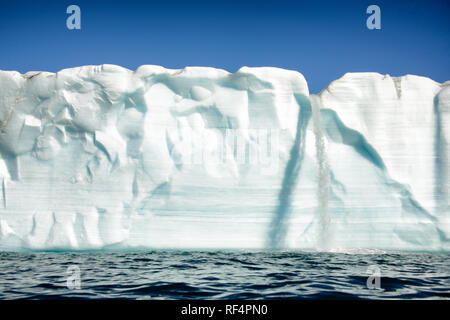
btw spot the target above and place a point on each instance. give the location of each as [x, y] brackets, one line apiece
[398, 127]
[101, 157]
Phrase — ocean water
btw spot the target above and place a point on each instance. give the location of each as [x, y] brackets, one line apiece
[224, 275]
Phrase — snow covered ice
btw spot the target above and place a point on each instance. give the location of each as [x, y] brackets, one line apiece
[101, 157]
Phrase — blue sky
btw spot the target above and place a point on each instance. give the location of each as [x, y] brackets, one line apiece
[320, 38]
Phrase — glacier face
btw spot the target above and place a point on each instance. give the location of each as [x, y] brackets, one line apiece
[101, 157]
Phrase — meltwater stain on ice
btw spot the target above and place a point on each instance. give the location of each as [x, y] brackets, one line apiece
[323, 179]
[280, 222]
[279, 225]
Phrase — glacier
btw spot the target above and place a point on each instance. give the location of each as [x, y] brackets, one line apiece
[105, 158]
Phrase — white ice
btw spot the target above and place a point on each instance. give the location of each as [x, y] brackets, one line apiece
[102, 157]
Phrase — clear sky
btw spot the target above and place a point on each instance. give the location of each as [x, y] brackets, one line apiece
[322, 39]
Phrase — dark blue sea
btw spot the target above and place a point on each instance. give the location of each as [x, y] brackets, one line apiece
[224, 275]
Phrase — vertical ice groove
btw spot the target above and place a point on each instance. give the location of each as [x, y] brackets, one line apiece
[4, 192]
[323, 178]
[442, 152]
[279, 224]
[398, 86]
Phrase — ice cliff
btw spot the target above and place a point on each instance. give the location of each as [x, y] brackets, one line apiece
[101, 157]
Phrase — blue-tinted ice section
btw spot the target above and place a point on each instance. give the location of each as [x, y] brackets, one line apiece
[102, 157]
